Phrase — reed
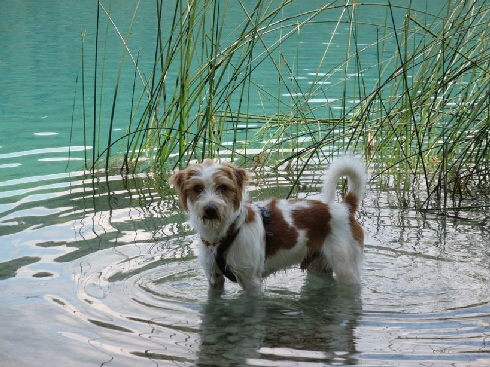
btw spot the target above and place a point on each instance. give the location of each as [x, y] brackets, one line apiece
[420, 89]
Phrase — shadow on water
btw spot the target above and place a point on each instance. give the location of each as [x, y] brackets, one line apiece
[316, 325]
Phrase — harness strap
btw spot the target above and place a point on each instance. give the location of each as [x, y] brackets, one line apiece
[266, 219]
[220, 251]
[226, 242]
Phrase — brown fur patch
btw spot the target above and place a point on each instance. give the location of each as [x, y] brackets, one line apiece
[351, 200]
[250, 215]
[357, 232]
[315, 220]
[231, 193]
[185, 188]
[239, 177]
[284, 235]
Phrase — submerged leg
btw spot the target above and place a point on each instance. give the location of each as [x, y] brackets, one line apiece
[251, 286]
[216, 282]
[316, 263]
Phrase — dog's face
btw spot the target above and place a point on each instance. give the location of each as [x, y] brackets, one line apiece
[210, 192]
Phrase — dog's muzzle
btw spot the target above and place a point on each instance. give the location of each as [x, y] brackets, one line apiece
[211, 212]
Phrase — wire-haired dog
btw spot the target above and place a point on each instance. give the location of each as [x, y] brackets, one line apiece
[247, 241]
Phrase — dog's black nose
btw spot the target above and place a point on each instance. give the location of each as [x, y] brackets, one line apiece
[210, 212]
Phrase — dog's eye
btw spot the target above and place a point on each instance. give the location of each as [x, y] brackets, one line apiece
[221, 188]
[198, 189]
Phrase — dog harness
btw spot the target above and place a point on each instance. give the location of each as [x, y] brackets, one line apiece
[224, 245]
[266, 219]
[226, 242]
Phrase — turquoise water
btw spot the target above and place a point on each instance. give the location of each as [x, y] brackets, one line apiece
[43, 82]
[103, 271]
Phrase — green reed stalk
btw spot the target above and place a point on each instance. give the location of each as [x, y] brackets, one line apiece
[84, 116]
[116, 87]
[426, 114]
[94, 134]
[101, 88]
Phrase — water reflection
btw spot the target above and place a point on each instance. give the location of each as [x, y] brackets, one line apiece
[106, 270]
[316, 325]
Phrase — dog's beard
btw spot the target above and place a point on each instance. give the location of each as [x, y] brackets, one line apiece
[213, 223]
[212, 215]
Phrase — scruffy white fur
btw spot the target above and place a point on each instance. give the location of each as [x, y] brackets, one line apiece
[209, 192]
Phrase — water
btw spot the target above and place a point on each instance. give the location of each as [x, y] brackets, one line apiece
[103, 272]
[113, 279]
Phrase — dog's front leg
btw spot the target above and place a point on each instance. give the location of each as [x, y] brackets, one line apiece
[251, 286]
[216, 280]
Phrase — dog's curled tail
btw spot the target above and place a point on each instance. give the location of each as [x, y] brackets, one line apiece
[355, 172]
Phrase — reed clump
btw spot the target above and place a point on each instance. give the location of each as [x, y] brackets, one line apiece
[413, 99]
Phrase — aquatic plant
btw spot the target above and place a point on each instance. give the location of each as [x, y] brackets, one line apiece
[414, 102]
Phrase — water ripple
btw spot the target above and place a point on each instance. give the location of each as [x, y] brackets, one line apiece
[112, 265]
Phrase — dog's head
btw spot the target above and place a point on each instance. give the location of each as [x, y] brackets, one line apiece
[211, 192]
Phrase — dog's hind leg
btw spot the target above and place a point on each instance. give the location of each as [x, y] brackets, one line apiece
[316, 263]
[345, 259]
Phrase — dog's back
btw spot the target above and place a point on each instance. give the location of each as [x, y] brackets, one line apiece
[320, 234]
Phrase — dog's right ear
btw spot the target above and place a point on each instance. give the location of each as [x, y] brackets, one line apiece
[177, 182]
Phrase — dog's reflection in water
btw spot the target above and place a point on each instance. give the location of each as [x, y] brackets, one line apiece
[311, 326]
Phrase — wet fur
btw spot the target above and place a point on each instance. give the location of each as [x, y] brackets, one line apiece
[320, 235]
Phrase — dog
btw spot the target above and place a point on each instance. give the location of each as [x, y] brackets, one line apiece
[247, 241]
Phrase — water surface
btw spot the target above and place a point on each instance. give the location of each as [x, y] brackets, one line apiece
[105, 272]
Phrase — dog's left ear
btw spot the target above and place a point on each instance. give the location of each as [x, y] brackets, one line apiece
[241, 175]
[177, 181]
